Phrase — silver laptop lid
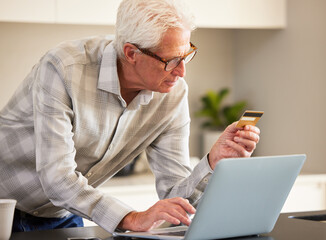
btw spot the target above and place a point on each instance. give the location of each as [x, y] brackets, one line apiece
[245, 196]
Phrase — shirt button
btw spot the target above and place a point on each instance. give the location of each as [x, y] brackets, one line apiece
[205, 180]
[35, 213]
[89, 174]
[110, 147]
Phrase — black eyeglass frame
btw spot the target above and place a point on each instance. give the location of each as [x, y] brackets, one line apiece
[166, 61]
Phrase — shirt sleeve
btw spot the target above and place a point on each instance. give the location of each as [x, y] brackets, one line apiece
[168, 158]
[55, 152]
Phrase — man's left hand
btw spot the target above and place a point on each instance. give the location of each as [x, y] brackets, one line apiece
[234, 142]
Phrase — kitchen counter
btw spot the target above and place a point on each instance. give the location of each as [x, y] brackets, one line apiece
[289, 226]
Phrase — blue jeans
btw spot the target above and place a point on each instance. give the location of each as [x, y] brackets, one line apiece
[24, 222]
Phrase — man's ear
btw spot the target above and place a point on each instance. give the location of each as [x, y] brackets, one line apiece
[130, 52]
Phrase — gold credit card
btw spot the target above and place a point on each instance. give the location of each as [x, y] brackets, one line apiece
[249, 118]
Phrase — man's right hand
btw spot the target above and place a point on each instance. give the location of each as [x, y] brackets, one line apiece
[173, 210]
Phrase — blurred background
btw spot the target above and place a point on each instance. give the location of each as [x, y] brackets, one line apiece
[270, 53]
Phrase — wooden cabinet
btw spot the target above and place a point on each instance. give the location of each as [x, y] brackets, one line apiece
[209, 13]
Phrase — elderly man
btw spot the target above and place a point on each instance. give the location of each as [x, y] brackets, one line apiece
[89, 107]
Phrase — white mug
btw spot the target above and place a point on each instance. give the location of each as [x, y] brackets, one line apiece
[7, 209]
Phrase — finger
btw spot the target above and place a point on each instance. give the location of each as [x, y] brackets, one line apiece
[184, 203]
[176, 210]
[172, 213]
[173, 210]
[252, 129]
[247, 144]
[169, 218]
[182, 216]
[241, 151]
[232, 128]
[248, 135]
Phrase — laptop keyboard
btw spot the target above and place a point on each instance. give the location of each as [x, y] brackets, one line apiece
[177, 233]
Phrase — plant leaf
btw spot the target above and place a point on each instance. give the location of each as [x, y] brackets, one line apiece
[216, 116]
[233, 112]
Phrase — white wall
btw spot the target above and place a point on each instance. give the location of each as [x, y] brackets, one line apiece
[212, 68]
[284, 73]
[22, 45]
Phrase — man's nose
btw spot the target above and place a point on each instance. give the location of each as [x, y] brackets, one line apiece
[180, 70]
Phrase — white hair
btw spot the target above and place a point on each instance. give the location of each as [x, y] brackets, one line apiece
[143, 22]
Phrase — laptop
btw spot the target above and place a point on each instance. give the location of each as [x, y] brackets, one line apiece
[244, 197]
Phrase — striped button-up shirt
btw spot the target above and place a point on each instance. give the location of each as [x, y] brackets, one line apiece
[67, 130]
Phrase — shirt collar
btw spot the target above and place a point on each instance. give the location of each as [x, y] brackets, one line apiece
[109, 80]
[145, 96]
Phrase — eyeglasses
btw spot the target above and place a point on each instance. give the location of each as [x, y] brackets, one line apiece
[174, 62]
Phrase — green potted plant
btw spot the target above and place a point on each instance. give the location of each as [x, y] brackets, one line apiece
[217, 115]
